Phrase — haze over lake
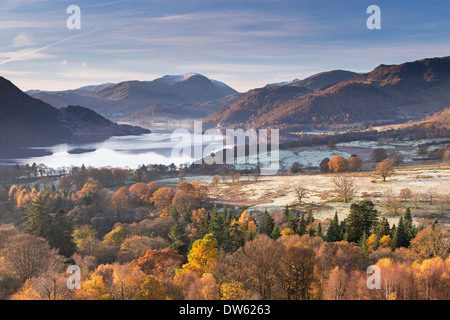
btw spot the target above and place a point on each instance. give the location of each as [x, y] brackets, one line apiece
[119, 151]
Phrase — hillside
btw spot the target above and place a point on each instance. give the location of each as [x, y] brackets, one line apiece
[28, 121]
[395, 92]
[161, 112]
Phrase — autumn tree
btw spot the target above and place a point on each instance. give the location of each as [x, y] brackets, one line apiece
[162, 199]
[203, 255]
[336, 284]
[338, 164]
[27, 256]
[116, 236]
[355, 163]
[385, 168]
[151, 289]
[89, 194]
[323, 166]
[260, 259]
[431, 242]
[85, 240]
[297, 270]
[159, 263]
[120, 199]
[233, 290]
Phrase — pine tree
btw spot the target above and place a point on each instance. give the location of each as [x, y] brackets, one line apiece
[383, 228]
[38, 221]
[216, 225]
[302, 225]
[363, 245]
[319, 231]
[275, 232]
[309, 217]
[362, 218]
[287, 212]
[333, 231]
[176, 234]
[410, 229]
[400, 238]
[292, 222]
[61, 235]
[267, 224]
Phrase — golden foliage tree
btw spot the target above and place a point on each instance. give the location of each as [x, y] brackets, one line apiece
[203, 255]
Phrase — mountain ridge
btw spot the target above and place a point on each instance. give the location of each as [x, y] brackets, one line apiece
[409, 90]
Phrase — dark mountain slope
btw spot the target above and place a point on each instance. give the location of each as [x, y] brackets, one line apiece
[28, 121]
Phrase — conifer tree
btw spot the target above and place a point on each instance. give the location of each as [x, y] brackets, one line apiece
[333, 232]
[61, 234]
[302, 225]
[176, 234]
[383, 228]
[400, 238]
[38, 221]
[363, 245]
[292, 222]
[319, 231]
[309, 217]
[362, 218]
[267, 224]
[275, 232]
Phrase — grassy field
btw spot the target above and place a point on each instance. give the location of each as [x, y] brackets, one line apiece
[429, 187]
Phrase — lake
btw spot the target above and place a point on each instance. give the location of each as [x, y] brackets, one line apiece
[124, 151]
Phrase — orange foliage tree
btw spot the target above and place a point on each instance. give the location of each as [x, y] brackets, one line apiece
[338, 164]
[162, 199]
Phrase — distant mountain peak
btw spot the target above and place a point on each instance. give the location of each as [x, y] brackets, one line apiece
[178, 78]
[283, 83]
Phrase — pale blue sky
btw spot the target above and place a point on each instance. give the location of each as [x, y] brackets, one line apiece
[244, 43]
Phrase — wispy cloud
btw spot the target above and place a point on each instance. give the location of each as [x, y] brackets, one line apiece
[31, 54]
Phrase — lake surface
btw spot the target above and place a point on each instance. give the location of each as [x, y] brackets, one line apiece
[126, 151]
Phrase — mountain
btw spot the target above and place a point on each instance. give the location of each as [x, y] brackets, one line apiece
[124, 98]
[28, 121]
[176, 90]
[390, 92]
[283, 83]
[163, 113]
[319, 81]
[82, 90]
[322, 80]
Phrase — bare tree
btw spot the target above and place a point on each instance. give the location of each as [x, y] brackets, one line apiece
[394, 204]
[300, 192]
[405, 194]
[345, 187]
[236, 177]
[182, 175]
[215, 180]
[27, 256]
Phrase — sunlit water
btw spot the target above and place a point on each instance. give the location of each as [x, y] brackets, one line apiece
[125, 152]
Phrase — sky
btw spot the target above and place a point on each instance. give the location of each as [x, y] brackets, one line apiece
[244, 43]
